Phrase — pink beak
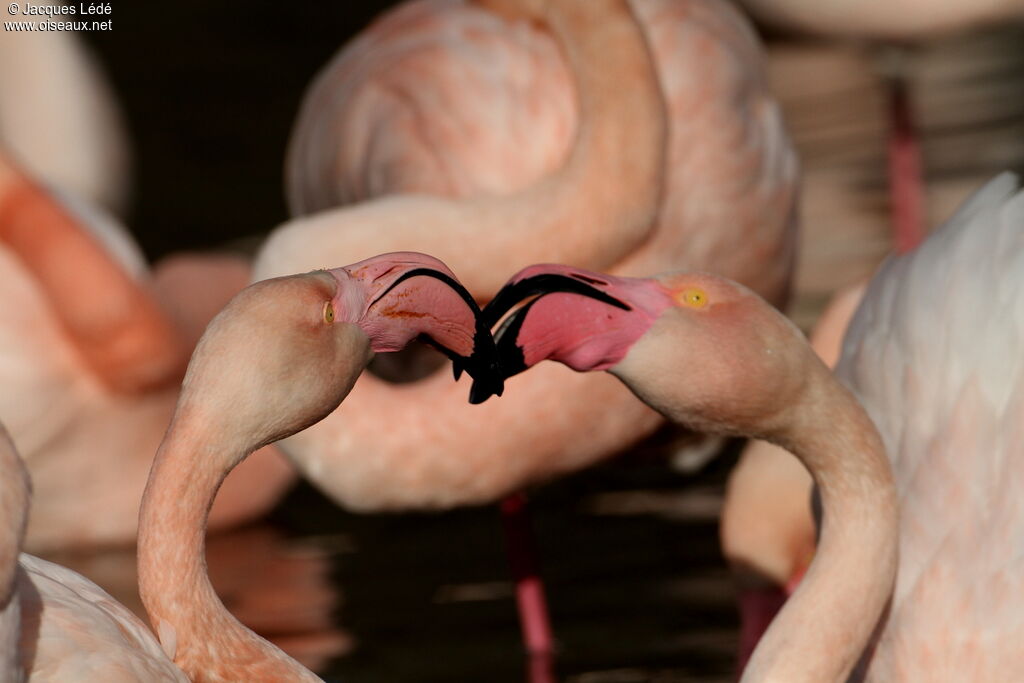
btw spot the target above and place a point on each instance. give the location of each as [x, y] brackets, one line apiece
[404, 296]
[583, 319]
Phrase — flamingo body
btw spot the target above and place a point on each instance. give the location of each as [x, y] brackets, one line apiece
[75, 631]
[933, 353]
[444, 98]
[401, 122]
[86, 443]
[56, 625]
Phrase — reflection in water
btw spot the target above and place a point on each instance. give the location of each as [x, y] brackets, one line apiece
[278, 586]
[636, 584]
[637, 587]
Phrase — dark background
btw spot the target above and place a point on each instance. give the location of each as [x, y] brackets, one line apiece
[209, 92]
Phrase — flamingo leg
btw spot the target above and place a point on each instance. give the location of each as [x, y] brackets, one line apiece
[117, 325]
[530, 600]
[757, 607]
[906, 184]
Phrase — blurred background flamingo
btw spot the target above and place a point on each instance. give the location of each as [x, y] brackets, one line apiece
[897, 28]
[475, 92]
[88, 411]
[59, 115]
[91, 344]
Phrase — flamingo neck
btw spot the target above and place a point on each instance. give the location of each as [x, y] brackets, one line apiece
[194, 627]
[822, 631]
[613, 173]
[601, 202]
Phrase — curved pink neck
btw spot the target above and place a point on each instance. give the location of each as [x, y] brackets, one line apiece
[194, 627]
[603, 200]
[601, 203]
[607, 50]
[826, 625]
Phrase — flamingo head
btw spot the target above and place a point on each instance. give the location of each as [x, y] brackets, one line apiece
[705, 351]
[286, 351]
[404, 296]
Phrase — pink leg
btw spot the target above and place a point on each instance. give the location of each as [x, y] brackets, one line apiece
[530, 600]
[906, 186]
[758, 606]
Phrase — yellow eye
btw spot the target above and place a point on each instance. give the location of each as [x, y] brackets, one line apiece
[329, 312]
[693, 297]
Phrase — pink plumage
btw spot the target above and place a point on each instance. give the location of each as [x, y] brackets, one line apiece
[460, 133]
[56, 625]
[934, 354]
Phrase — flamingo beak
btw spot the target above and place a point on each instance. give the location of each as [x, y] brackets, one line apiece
[406, 296]
[585, 320]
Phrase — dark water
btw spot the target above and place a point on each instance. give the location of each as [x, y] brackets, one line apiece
[636, 584]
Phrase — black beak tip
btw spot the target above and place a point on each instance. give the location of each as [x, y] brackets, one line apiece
[483, 366]
[481, 391]
[487, 382]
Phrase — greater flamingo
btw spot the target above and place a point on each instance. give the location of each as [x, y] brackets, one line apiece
[445, 98]
[281, 356]
[767, 531]
[90, 350]
[56, 625]
[932, 353]
[711, 354]
[594, 206]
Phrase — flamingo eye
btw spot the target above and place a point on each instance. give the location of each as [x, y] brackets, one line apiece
[329, 312]
[694, 297]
